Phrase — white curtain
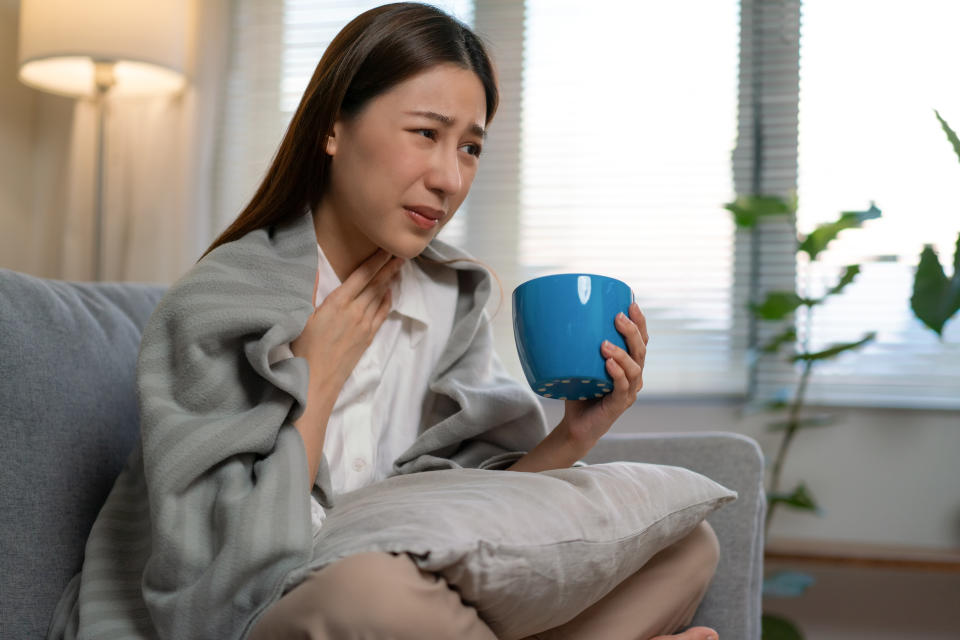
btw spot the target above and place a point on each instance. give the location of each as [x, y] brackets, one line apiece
[158, 174]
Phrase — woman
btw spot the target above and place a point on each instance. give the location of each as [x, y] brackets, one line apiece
[399, 376]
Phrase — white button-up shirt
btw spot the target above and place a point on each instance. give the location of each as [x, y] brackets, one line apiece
[377, 414]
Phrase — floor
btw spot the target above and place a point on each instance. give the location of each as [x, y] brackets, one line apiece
[872, 603]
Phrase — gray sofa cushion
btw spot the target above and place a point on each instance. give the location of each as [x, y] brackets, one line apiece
[69, 417]
[732, 604]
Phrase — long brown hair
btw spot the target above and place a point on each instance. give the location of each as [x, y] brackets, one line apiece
[375, 51]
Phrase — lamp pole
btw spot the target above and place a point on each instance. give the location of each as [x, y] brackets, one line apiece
[104, 79]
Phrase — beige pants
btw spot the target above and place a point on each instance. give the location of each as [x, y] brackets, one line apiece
[374, 596]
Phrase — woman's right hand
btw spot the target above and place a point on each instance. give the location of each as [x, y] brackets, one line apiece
[339, 330]
[333, 340]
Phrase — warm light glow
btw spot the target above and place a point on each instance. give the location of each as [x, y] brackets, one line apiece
[73, 76]
[147, 41]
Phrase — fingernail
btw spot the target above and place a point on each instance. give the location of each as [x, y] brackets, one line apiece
[622, 315]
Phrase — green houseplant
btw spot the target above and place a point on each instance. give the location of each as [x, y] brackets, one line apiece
[778, 307]
[935, 300]
[936, 297]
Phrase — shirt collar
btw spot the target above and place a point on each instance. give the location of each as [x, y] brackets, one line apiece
[407, 291]
[408, 295]
[327, 279]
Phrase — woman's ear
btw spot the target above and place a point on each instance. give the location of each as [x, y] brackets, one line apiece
[331, 147]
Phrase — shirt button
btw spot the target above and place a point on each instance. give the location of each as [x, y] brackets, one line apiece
[359, 464]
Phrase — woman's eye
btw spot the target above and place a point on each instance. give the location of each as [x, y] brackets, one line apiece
[426, 133]
[473, 149]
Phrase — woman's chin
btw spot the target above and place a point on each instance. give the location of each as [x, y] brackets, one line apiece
[409, 249]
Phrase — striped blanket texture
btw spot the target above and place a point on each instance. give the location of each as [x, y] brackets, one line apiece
[209, 521]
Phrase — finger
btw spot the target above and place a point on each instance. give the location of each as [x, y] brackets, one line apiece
[374, 317]
[630, 367]
[370, 322]
[631, 334]
[640, 320]
[369, 298]
[621, 384]
[363, 274]
[382, 310]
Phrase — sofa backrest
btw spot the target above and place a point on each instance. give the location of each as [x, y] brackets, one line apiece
[69, 417]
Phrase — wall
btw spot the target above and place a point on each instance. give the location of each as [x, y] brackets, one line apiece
[17, 108]
[36, 134]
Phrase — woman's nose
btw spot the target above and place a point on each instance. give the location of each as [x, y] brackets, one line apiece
[445, 172]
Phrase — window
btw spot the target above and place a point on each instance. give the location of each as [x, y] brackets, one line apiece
[627, 135]
[871, 75]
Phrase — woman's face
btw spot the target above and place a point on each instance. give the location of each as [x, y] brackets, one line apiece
[402, 166]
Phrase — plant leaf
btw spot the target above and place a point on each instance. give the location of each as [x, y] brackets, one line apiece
[954, 305]
[813, 421]
[930, 287]
[778, 305]
[951, 136]
[799, 498]
[956, 259]
[819, 238]
[849, 274]
[776, 628]
[787, 335]
[834, 350]
[747, 210]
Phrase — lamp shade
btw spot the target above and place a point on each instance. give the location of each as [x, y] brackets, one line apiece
[147, 40]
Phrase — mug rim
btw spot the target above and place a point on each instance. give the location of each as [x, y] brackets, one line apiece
[567, 275]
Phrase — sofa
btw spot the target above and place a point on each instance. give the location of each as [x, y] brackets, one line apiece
[68, 412]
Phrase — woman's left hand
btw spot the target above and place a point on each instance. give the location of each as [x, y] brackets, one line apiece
[586, 420]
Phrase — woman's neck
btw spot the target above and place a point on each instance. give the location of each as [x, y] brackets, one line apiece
[344, 246]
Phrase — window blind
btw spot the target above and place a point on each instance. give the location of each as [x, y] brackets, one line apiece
[252, 124]
[624, 144]
[765, 163]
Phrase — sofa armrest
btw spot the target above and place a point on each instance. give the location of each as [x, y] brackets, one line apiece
[732, 604]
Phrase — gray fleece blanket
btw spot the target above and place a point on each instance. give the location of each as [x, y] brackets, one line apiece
[209, 521]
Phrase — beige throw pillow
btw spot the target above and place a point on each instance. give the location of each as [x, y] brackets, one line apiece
[528, 550]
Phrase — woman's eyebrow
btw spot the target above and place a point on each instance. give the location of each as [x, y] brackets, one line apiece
[448, 121]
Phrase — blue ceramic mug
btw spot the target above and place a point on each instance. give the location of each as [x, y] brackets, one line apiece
[559, 323]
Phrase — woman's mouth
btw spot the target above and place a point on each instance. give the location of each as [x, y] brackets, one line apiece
[421, 220]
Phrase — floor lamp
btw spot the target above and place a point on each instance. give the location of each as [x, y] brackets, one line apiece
[91, 48]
